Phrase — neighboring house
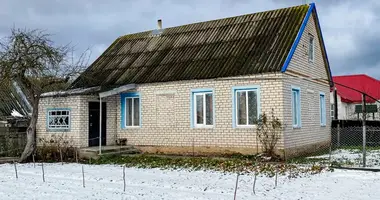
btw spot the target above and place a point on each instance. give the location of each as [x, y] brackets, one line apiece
[202, 86]
[14, 106]
[350, 101]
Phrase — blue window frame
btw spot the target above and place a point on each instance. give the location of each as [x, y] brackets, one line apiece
[322, 109]
[58, 119]
[130, 110]
[296, 107]
[245, 106]
[202, 108]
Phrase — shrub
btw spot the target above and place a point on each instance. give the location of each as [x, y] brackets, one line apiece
[51, 149]
[269, 133]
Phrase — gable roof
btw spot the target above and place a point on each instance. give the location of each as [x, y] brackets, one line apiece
[242, 45]
[11, 100]
[361, 82]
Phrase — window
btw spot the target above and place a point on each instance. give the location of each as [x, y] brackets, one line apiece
[311, 48]
[296, 107]
[202, 108]
[131, 110]
[332, 110]
[322, 109]
[246, 106]
[58, 119]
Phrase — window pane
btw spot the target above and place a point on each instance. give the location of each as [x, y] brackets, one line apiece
[129, 112]
[199, 109]
[311, 47]
[320, 108]
[241, 108]
[252, 107]
[209, 109]
[295, 120]
[136, 112]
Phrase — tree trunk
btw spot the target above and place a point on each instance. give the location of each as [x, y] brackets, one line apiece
[31, 132]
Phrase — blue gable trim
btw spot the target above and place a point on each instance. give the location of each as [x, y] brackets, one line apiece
[123, 96]
[324, 47]
[298, 38]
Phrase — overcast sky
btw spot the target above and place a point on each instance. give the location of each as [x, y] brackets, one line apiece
[351, 28]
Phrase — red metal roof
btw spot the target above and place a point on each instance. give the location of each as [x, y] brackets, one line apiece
[361, 82]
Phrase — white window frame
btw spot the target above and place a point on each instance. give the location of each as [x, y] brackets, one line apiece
[322, 109]
[133, 113]
[332, 111]
[247, 109]
[59, 127]
[297, 110]
[311, 55]
[203, 125]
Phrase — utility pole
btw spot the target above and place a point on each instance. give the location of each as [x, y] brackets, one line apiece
[364, 114]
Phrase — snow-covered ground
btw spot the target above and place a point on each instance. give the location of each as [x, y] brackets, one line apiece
[354, 157]
[106, 182]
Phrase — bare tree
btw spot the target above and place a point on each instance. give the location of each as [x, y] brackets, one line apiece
[31, 58]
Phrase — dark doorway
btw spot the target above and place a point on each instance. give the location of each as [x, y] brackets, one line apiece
[93, 123]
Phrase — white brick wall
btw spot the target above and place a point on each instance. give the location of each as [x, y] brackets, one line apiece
[311, 131]
[173, 128]
[78, 133]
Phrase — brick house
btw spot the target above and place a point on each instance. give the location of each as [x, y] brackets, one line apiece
[202, 86]
[349, 100]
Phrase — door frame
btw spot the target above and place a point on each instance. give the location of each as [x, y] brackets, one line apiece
[104, 122]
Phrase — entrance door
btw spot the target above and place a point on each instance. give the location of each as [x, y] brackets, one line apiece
[93, 126]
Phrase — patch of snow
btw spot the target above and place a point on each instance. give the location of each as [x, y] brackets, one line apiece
[106, 182]
[71, 92]
[16, 114]
[354, 157]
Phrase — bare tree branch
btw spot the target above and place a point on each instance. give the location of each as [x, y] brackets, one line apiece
[31, 58]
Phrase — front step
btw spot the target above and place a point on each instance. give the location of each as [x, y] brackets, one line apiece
[93, 152]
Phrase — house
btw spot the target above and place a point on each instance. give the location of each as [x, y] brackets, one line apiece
[202, 86]
[349, 97]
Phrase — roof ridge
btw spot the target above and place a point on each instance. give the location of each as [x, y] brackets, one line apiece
[219, 19]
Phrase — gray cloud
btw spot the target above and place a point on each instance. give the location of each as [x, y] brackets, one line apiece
[351, 28]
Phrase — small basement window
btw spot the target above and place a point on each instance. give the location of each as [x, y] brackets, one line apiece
[58, 119]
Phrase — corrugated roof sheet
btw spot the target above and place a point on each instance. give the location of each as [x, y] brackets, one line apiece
[242, 45]
[360, 82]
[10, 100]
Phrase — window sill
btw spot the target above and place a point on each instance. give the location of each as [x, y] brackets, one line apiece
[58, 130]
[297, 127]
[131, 127]
[203, 127]
[323, 125]
[245, 126]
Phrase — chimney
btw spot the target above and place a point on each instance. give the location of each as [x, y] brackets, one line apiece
[159, 24]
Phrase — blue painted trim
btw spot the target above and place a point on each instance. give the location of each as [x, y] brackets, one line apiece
[192, 104]
[296, 124]
[47, 119]
[323, 45]
[322, 108]
[123, 97]
[233, 92]
[298, 38]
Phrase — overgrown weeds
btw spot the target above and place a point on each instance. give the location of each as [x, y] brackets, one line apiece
[228, 165]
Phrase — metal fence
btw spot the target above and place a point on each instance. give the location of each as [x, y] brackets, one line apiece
[347, 148]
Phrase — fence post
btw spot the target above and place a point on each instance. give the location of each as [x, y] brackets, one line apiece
[338, 135]
[364, 130]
